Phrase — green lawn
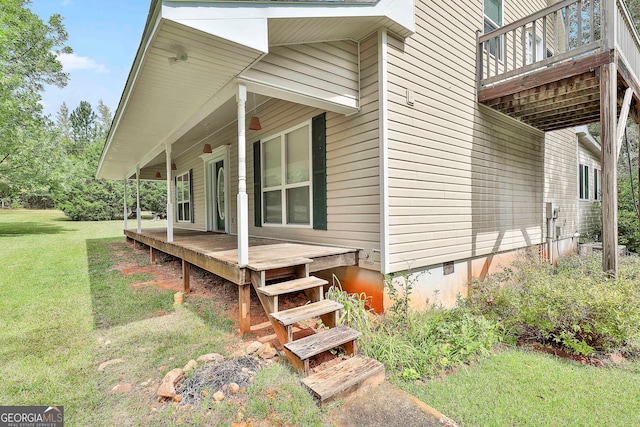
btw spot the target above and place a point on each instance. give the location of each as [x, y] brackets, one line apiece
[64, 310]
[520, 388]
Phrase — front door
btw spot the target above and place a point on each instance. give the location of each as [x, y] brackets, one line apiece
[219, 196]
[217, 211]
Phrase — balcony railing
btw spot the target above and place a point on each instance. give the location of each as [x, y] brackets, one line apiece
[560, 33]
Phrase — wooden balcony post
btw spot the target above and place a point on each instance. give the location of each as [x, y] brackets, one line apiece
[169, 204]
[608, 122]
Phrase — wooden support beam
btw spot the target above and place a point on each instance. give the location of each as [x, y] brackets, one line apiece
[244, 299]
[608, 110]
[622, 121]
[186, 272]
[152, 255]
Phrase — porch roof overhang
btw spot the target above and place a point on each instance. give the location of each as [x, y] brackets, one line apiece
[193, 53]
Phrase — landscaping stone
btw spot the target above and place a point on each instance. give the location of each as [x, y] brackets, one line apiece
[211, 357]
[191, 364]
[121, 388]
[218, 396]
[267, 351]
[103, 365]
[167, 389]
[253, 347]
[234, 388]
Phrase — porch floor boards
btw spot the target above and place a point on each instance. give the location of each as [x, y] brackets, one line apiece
[218, 253]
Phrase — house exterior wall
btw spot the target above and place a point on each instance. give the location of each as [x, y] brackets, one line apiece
[464, 181]
[590, 211]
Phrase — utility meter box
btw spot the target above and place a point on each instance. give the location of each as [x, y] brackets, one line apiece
[553, 210]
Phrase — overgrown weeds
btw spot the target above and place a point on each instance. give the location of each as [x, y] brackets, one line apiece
[415, 344]
[573, 305]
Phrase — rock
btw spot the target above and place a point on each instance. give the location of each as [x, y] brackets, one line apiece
[241, 424]
[218, 396]
[103, 365]
[253, 347]
[204, 393]
[617, 358]
[191, 364]
[121, 388]
[167, 390]
[211, 357]
[267, 351]
[173, 376]
[234, 388]
[177, 398]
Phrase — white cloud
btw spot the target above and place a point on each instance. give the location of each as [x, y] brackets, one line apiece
[70, 62]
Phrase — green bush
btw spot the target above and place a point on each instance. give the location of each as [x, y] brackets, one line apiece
[573, 305]
[430, 342]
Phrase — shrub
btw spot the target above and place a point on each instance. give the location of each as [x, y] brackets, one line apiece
[431, 342]
[573, 305]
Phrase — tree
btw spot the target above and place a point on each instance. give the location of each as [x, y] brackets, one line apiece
[84, 128]
[29, 49]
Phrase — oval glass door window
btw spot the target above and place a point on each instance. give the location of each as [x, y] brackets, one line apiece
[220, 193]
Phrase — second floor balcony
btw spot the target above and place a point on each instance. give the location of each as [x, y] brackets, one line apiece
[544, 69]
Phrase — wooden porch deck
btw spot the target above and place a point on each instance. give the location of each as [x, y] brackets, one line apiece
[218, 254]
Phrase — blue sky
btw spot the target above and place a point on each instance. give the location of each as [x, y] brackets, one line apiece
[104, 36]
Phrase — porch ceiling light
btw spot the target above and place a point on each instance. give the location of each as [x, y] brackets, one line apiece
[254, 123]
[158, 175]
[207, 149]
[174, 167]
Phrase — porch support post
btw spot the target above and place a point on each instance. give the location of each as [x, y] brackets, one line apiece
[608, 123]
[243, 203]
[169, 204]
[124, 203]
[138, 212]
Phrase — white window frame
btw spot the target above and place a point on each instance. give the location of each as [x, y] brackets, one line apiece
[492, 23]
[180, 203]
[597, 184]
[538, 47]
[283, 187]
[583, 182]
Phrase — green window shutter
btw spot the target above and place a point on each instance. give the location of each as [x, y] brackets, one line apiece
[319, 165]
[191, 208]
[257, 187]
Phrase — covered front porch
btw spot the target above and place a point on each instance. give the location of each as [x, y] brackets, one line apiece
[218, 254]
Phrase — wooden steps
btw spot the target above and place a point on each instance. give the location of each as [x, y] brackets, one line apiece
[338, 381]
[345, 378]
[312, 345]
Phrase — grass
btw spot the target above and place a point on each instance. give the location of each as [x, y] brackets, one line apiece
[65, 310]
[519, 388]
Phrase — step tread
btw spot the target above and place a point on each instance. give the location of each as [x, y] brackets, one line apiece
[347, 376]
[274, 264]
[292, 286]
[315, 344]
[304, 312]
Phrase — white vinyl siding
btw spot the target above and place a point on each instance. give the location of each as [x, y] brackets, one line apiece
[590, 211]
[327, 70]
[464, 181]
